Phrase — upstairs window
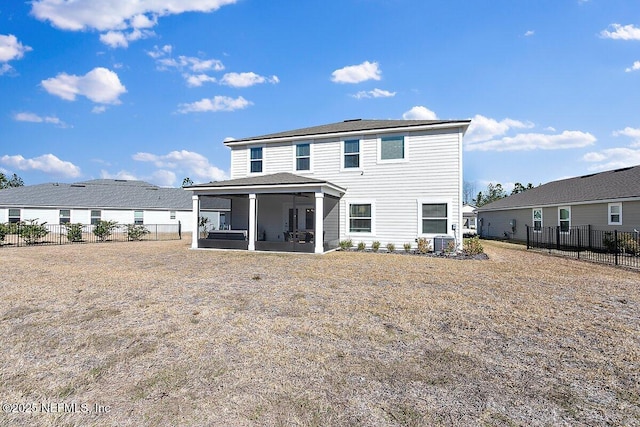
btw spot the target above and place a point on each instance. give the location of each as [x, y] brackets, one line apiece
[95, 217]
[392, 148]
[615, 213]
[256, 160]
[14, 216]
[65, 216]
[352, 154]
[138, 217]
[537, 220]
[434, 218]
[303, 157]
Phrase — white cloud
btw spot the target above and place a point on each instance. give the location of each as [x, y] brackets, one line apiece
[164, 178]
[197, 80]
[535, 141]
[217, 103]
[46, 163]
[100, 85]
[484, 128]
[159, 52]
[119, 175]
[357, 73]
[419, 113]
[529, 33]
[116, 15]
[612, 158]
[621, 32]
[634, 67]
[246, 79]
[116, 39]
[192, 164]
[190, 63]
[34, 118]
[632, 133]
[11, 48]
[99, 109]
[375, 93]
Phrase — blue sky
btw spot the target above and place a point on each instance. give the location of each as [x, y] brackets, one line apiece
[150, 89]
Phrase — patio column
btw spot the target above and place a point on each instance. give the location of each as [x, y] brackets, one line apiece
[195, 220]
[252, 222]
[319, 221]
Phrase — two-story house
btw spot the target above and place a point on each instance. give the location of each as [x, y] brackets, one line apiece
[305, 190]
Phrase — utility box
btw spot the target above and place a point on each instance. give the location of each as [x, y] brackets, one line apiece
[441, 243]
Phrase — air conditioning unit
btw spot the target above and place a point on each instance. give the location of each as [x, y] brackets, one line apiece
[441, 243]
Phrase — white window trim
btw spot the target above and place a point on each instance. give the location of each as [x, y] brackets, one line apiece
[347, 229]
[533, 219]
[9, 216]
[359, 168]
[142, 216]
[568, 208]
[405, 159]
[449, 204]
[609, 213]
[249, 159]
[295, 157]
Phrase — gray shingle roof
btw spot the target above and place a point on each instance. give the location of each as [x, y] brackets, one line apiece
[610, 185]
[103, 194]
[349, 126]
[282, 178]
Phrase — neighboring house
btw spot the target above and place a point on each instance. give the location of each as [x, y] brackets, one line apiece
[469, 217]
[391, 181]
[607, 201]
[124, 201]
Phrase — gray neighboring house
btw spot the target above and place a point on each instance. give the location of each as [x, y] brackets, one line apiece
[607, 201]
[124, 201]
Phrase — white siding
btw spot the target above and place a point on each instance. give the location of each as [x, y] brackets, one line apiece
[4, 215]
[432, 172]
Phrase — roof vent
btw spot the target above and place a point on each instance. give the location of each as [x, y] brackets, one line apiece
[622, 169]
[352, 120]
[120, 180]
[78, 185]
[587, 176]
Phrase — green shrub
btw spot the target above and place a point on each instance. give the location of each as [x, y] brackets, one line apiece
[103, 229]
[626, 243]
[136, 232]
[346, 244]
[407, 247]
[472, 246]
[423, 246]
[74, 232]
[4, 230]
[375, 246]
[391, 247]
[362, 246]
[32, 232]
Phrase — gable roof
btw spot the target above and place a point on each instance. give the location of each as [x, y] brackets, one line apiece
[616, 184]
[104, 194]
[353, 126]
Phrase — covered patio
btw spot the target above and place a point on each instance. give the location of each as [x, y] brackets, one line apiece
[279, 212]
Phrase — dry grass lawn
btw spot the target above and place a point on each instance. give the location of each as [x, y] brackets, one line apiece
[157, 334]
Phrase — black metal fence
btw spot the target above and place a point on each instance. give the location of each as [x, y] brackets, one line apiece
[26, 234]
[620, 248]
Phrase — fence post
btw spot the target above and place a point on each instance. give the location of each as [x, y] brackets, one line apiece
[180, 230]
[557, 237]
[615, 242]
[527, 226]
[579, 230]
[589, 237]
